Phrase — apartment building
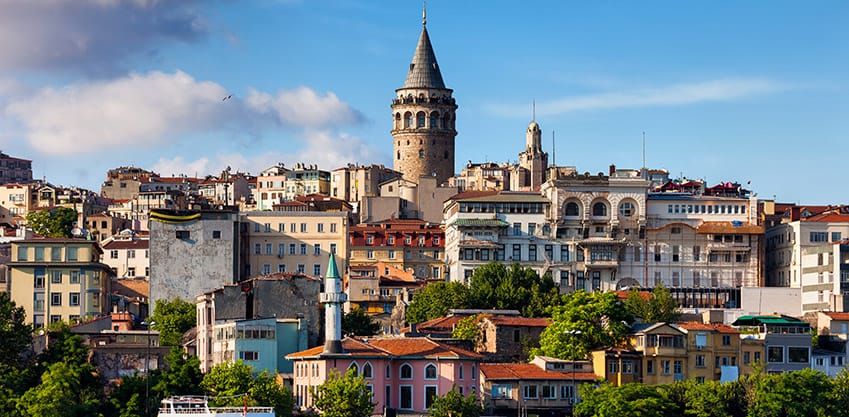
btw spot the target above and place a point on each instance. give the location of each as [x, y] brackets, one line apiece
[405, 244]
[486, 226]
[58, 279]
[128, 254]
[354, 182]
[16, 200]
[104, 225]
[664, 350]
[14, 170]
[304, 180]
[714, 351]
[808, 250]
[787, 340]
[270, 187]
[295, 241]
[596, 221]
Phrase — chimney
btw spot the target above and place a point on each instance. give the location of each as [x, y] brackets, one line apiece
[795, 213]
[332, 298]
[612, 169]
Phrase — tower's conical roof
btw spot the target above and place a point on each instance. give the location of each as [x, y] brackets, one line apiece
[424, 71]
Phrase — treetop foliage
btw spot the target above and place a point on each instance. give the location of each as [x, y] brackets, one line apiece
[343, 396]
[172, 319]
[56, 222]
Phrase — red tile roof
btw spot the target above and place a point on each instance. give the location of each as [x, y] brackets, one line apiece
[728, 227]
[720, 328]
[520, 321]
[441, 324]
[397, 346]
[836, 315]
[526, 371]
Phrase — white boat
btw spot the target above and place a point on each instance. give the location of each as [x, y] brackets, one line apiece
[197, 406]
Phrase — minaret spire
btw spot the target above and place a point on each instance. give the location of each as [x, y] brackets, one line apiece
[424, 13]
[332, 298]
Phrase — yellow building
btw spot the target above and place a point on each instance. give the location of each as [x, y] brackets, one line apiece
[714, 351]
[295, 241]
[664, 349]
[752, 351]
[58, 279]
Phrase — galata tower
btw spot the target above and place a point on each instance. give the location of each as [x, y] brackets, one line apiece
[423, 114]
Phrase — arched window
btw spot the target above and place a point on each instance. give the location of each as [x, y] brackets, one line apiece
[434, 120]
[420, 119]
[397, 120]
[599, 209]
[446, 121]
[421, 153]
[626, 209]
[430, 371]
[367, 370]
[406, 371]
[353, 366]
[408, 120]
[572, 209]
[388, 371]
[398, 155]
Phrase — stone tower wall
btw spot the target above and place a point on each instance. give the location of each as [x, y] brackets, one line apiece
[424, 147]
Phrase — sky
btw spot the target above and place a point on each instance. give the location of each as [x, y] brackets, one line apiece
[755, 92]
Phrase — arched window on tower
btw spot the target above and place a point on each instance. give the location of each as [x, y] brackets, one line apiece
[421, 153]
[408, 120]
[446, 121]
[397, 120]
[398, 155]
[434, 120]
[420, 119]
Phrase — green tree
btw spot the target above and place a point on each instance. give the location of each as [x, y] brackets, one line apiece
[56, 222]
[228, 380]
[467, 329]
[496, 286]
[357, 323]
[454, 404]
[265, 391]
[657, 307]
[626, 400]
[343, 396]
[173, 318]
[182, 376]
[434, 301]
[63, 391]
[14, 332]
[790, 394]
[584, 322]
[714, 399]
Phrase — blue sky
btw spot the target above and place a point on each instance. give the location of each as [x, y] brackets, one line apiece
[725, 90]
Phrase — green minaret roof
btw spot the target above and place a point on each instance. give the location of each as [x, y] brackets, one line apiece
[332, 271]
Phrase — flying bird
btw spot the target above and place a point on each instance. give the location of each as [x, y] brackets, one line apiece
[225, 98]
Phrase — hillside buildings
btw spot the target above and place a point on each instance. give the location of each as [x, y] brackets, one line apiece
[14, 170]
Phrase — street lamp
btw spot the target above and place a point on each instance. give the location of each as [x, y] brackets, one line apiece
[147, 370]
[573, 333]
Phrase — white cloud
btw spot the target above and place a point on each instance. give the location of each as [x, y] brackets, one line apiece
[145, 110]
[91, 35]
[679, 94]
[304, 107]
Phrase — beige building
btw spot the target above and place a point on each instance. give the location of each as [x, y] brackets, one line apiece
[714, 351]
[354, 182]
[295, 241]
[16, 200]
[413, 245]
[56, 279]
[664, 349]
[270, 187]
[104, 225]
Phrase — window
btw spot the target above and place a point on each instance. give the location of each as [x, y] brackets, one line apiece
[517, 252]
[678, 367]
[303, 227]
[39, 279]
[835, 236]
[391, 254]
[701, 340]
[113, 254]
[266, 269]
[256, 227]
[370, 254]
[292, 250]
[819, 237]
[564, 253]
[293, 227]
[517, 229]
[406, 371]
[316, 270]
[257, 248]
[775, 354]
[572, 209]
[320, 228]
[75, 277]
[367, 371]
[460, 371]
[700, 361]
[56, 299]
[746, 358]
[333, 248]
[183, 234]
[72, 254]
[408, 240]
[354, 367]
[316, 249]
[390, 240]
[131, 271]
[549, 392]
[797, 355]
[626, 209]
[650, 367]
[301, 268]
[532, 228]
[430, 393]
[332, 227]
[369, 240]
[248, 355]
[55, 277]
[532, 252]
[501, 391]
[726, 340]
[530, 392]
[406, 393]
[676, 250]
[664, 367]
[696, 253]
[303, 248]
[599, 209]
[269, 248]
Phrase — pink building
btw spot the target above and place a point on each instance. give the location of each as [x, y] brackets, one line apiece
[404, 374]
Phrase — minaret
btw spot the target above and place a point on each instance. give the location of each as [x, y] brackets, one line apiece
[533, 158]
[332, 298]
[423, 113]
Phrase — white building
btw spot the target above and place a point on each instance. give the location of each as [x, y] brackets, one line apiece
[128, 254]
